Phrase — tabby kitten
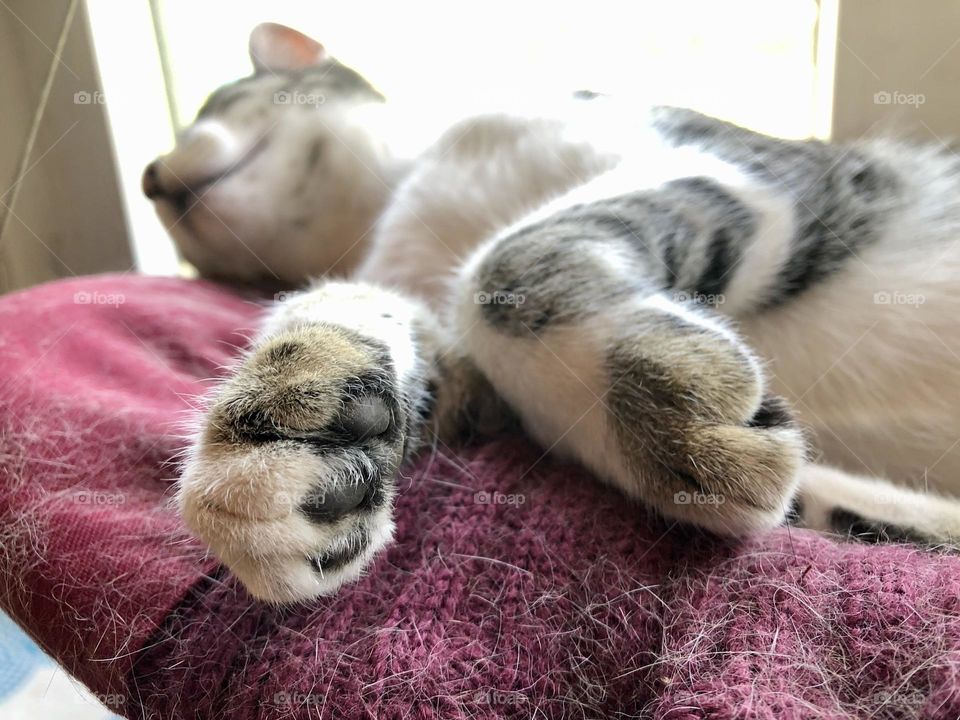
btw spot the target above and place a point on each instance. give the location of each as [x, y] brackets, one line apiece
[701, 315]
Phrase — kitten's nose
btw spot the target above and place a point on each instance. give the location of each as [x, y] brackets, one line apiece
[150, 182]
[155, 188]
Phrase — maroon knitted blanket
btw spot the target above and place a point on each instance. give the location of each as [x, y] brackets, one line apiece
[517, 587]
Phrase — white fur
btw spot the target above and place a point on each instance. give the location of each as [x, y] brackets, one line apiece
[827, 488]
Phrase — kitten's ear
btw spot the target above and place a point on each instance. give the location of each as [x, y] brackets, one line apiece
[276, 47]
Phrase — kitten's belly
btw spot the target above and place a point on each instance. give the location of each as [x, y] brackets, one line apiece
[871, 361]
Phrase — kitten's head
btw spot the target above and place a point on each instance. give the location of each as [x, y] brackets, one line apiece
[278, 179]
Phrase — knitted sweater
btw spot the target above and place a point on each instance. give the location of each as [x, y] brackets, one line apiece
[517, 586]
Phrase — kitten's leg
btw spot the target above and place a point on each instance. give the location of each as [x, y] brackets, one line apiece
[656, 395]
[290, 478]
[871, 509]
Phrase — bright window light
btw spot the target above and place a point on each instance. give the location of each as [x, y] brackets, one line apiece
[750, 61]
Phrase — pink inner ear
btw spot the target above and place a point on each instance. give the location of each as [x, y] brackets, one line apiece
[278, 47]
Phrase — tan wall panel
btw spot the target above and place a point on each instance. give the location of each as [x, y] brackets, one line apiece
[65, 216]
[898, 69]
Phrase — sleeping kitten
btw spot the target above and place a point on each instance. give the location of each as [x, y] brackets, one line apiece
[692, 310]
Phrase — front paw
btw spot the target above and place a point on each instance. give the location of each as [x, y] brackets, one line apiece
[291, 478]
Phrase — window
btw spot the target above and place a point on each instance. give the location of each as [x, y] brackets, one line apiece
[761, 72]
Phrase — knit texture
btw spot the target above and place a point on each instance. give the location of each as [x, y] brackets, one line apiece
[517, 586]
